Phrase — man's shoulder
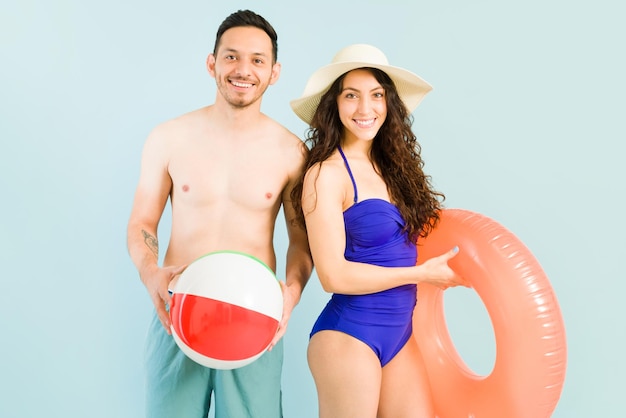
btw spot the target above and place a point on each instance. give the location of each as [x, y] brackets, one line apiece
[178, 124]
[187, 118]
[282, 133]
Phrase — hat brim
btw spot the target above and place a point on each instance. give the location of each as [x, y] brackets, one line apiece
[411, 87]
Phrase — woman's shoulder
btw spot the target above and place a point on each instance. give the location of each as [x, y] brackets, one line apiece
[329, 167]
[326, 175]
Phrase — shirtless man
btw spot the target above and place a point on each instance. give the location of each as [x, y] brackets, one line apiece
[227, 168]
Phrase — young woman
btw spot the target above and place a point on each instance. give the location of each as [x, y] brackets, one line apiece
[365, 200]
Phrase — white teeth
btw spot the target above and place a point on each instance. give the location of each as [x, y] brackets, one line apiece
[240, 84]
[364, 123]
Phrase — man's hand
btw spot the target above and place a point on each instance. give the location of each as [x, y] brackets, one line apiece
[157, 281]
[291, 297]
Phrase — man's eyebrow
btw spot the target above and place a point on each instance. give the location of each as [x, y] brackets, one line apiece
[235, 51]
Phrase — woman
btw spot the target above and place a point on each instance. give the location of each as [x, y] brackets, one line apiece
[365, 200]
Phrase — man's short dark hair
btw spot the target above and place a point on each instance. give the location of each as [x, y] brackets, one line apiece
[248, 18]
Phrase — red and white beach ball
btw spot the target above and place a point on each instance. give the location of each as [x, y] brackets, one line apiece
[225, 309]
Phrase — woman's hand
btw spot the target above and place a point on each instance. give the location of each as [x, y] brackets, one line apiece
[437, 272]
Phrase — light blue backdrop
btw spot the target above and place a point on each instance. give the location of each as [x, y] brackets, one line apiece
[525, 125]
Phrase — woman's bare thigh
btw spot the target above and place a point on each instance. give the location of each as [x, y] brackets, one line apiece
[347, 375]
[405, 390]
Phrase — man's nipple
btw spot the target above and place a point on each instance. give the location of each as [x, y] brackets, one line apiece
[268, 195]
[185, 188]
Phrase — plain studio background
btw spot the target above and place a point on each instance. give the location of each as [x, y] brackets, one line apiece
[525, 125]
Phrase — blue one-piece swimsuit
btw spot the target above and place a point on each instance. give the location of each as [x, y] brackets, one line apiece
[382, 320]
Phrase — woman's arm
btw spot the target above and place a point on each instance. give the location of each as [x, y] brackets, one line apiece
[322, 202]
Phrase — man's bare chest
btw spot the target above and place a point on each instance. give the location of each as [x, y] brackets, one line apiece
[216, 178]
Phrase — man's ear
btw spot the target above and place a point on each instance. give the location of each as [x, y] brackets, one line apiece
[275, 73]
[210, 64]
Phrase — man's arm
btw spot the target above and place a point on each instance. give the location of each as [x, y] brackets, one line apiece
[151, 196]
[299, 263]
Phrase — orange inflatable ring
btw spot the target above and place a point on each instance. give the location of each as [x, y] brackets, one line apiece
[529, 369]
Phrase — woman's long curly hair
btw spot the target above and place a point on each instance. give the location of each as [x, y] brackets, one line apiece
[395, 153]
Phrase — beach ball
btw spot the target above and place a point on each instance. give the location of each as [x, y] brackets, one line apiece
[225, 310]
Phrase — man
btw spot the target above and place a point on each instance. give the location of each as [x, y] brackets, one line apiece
[227, 168]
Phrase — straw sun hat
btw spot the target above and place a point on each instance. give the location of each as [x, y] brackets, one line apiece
[410, 86]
